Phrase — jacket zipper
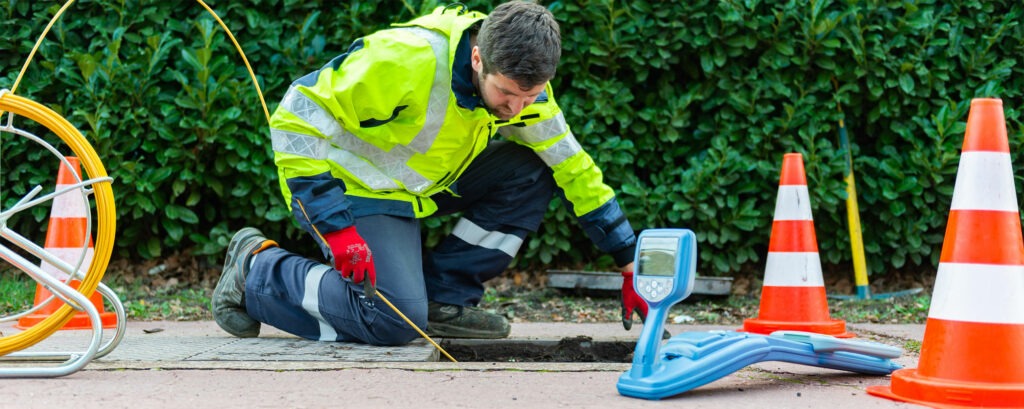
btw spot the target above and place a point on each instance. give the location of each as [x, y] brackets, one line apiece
[472, 149]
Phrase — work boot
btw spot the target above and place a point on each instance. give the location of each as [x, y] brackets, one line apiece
[456, 321]
[229, 297]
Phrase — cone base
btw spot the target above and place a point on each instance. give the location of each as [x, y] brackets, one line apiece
[835, 328]
[909, 386]
[78, 321]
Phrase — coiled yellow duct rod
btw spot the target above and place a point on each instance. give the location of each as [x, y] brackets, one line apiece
[104, 196]
[105, 215]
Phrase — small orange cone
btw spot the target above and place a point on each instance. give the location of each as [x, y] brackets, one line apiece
[793, 295]
[66, 235]
[972, 354]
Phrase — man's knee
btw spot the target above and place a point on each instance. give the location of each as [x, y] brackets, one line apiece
[394, 336]
[391, 330]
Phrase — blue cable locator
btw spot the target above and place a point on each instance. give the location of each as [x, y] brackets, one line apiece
[664, 276]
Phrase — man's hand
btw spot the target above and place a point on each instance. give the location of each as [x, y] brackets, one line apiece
[631, 301]
[352, 257]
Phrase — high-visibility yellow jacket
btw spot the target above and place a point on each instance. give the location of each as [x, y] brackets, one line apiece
[396, 120]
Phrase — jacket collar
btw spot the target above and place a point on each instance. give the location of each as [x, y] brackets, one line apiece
[462, 76]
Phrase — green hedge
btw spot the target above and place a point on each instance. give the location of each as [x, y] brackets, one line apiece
[687, 106]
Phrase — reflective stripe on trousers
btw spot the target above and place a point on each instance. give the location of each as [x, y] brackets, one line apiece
[503, 196]
[309, 299]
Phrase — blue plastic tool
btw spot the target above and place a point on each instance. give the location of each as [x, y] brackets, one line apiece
[665, 271]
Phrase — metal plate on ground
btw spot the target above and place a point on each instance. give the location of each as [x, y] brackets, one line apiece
[297, 349]
[192, 346]
[612, 281]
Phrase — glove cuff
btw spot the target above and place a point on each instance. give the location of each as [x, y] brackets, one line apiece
[339, 239]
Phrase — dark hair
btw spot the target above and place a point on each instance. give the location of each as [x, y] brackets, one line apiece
[520, 40]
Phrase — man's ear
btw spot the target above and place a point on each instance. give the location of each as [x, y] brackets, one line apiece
[476, 60]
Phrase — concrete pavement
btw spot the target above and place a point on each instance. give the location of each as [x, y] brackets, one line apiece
[195, 364]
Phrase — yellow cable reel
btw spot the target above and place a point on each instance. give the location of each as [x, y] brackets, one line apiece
[106, 217]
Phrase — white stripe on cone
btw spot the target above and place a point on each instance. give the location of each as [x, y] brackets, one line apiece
[793, 203]
[984, 181]
[70, 204]
[789, 269]
[70, 256]
[978, 293]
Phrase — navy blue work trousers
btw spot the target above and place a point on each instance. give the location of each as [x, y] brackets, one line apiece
[501, 197]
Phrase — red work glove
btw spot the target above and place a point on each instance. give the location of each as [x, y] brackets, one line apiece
[352, 257]
[630, 301]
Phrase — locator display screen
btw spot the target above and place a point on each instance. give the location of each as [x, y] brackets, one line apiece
[657, 256]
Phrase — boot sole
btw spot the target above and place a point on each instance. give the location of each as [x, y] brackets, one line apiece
[236, 312]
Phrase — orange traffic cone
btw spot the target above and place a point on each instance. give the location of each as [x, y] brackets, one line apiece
[66, 235]
[973, 349]
[793, 295]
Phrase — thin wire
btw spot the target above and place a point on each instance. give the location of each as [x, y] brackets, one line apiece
[422, 334]
[255, 83]
[38, 42]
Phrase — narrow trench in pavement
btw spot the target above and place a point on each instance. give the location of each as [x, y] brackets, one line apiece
[575, 349]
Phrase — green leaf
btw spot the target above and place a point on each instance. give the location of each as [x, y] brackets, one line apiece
[897, 208]
[150, 248]
[173, 230]
[184, 214]
[906, 83]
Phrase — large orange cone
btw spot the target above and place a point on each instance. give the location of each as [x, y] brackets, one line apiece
[66, 235]
[973, 349]
[793, 294]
